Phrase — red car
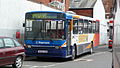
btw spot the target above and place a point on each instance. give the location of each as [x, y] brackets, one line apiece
[11, 52]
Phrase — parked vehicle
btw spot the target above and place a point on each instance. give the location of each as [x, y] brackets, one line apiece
[11, 52]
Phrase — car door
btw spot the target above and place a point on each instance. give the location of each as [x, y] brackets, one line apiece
[2, 53]
[9, 50]
[19, 48]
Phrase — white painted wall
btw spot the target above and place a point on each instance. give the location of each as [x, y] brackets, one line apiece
[99, 13]
[12, 15]
[116, 40]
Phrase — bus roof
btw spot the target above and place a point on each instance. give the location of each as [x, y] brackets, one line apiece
[83, 17]
[68, 16]
[46, 11]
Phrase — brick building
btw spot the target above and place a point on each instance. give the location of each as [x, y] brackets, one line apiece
[65, 3]
[108, 5]
[83, 11]
[82, 7]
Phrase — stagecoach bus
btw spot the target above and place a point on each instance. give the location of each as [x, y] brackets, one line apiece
[59, 34]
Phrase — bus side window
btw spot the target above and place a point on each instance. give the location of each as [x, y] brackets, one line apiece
[97, 26]
[85, 26]
[93, 26]
[67, 28]
[75, 27]
[80, 26]
[90, 27]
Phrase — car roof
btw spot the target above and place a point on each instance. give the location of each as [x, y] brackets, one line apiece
[4, 37]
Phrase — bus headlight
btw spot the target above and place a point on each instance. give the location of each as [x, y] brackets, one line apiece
[57, 47]
[29, 46]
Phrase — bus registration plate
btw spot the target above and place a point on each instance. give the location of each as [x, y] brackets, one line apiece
[42, 51]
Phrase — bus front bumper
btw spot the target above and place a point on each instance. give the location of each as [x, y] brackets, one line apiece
[46, 52]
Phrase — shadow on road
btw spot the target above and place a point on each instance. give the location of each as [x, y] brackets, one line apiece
[8, 66]
[46, 59]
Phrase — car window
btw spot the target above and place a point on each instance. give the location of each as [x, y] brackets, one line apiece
[17, 43]
[8, 42]
[1, 43]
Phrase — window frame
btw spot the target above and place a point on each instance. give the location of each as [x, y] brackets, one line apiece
[3, 43]
[85, 31]
[75, 26]
[90, 26]
[15, 43]
[93, 26]
[81, 26]
[97, 27]
[8, 46]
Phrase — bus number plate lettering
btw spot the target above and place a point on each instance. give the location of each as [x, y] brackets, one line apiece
[42, 51]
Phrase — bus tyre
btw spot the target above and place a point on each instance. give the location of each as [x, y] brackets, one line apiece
[18, 62]
[73, 53]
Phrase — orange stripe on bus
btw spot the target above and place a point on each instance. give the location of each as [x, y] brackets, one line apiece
[63, 45]
[76, 16]
[89, 46]
[71, 25]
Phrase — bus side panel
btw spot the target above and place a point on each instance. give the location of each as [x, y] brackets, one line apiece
[96, 39]
[83, 44]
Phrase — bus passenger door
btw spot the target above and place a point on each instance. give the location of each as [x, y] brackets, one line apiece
[68, 36]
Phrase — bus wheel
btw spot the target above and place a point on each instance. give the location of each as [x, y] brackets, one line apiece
[73, 53]
[91, 49]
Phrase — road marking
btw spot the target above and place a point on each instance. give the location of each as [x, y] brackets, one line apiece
[26, 65]
[34, 66]
[31, 66]
[84, 60]
[89, 60]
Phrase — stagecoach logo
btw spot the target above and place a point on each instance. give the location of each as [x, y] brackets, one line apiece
[39, 42]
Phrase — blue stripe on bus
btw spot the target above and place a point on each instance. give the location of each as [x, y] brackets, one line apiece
[45, 42]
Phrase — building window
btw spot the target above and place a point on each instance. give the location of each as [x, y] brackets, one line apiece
[50, 0]
[62, 1]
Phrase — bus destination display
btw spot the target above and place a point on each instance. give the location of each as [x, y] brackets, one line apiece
[44, 16]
